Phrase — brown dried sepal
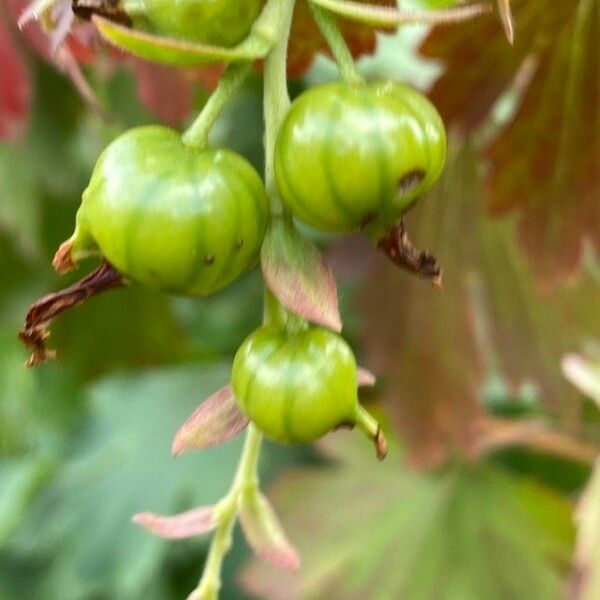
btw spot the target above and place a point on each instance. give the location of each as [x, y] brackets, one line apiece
[400, 250]
[46, 309]
[62, 261]
[109, 9]
[381, 444]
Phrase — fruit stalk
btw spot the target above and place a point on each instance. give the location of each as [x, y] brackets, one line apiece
[196, 135]
[226, 511]
[276, 105]
[328, 25]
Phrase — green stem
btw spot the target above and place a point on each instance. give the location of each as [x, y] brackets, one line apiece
[276, 99]
[196, 135]
[226, 513]
[329, 27]
[276, 105]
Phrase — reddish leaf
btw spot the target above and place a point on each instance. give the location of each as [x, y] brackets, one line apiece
[15, 89]
[169, 91]
[438, 350]
[553, 148]
[187, 524]
[218, 419]
[296, 272]
[546, 163]
[306, 41]
[166, 91]
[264, 532]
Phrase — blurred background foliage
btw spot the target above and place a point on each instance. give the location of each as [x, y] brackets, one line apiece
[491, 445]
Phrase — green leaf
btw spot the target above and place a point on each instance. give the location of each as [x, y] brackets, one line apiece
[20, 481]
[381, 531]
[296, 272]
[130, 327]
[217, 324]
[122, 464]
[177, 52]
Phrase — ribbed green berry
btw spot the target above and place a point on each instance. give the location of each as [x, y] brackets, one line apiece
[350, 156]
[171, 217]
[298, 385]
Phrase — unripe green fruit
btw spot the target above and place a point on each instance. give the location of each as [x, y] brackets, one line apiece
[179, 219]
[298, 385]
[350, 156]
[216, 22]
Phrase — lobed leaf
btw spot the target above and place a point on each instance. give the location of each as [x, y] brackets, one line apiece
[390, 532]
[217, 420]
[440, 352]
[545, 162]
[121, 464]
[296, 272]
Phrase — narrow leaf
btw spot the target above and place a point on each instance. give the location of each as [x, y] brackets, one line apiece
[176, 52]
[296, 272]
[218, 419]
[387, 16]
[264, 532]
[507, 19]
[184, 525]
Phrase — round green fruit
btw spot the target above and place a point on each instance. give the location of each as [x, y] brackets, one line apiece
[353, 156]
[296, 386]
[169, 216]
[216, 22]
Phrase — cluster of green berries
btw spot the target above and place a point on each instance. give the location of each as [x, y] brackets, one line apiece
[190, 221]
